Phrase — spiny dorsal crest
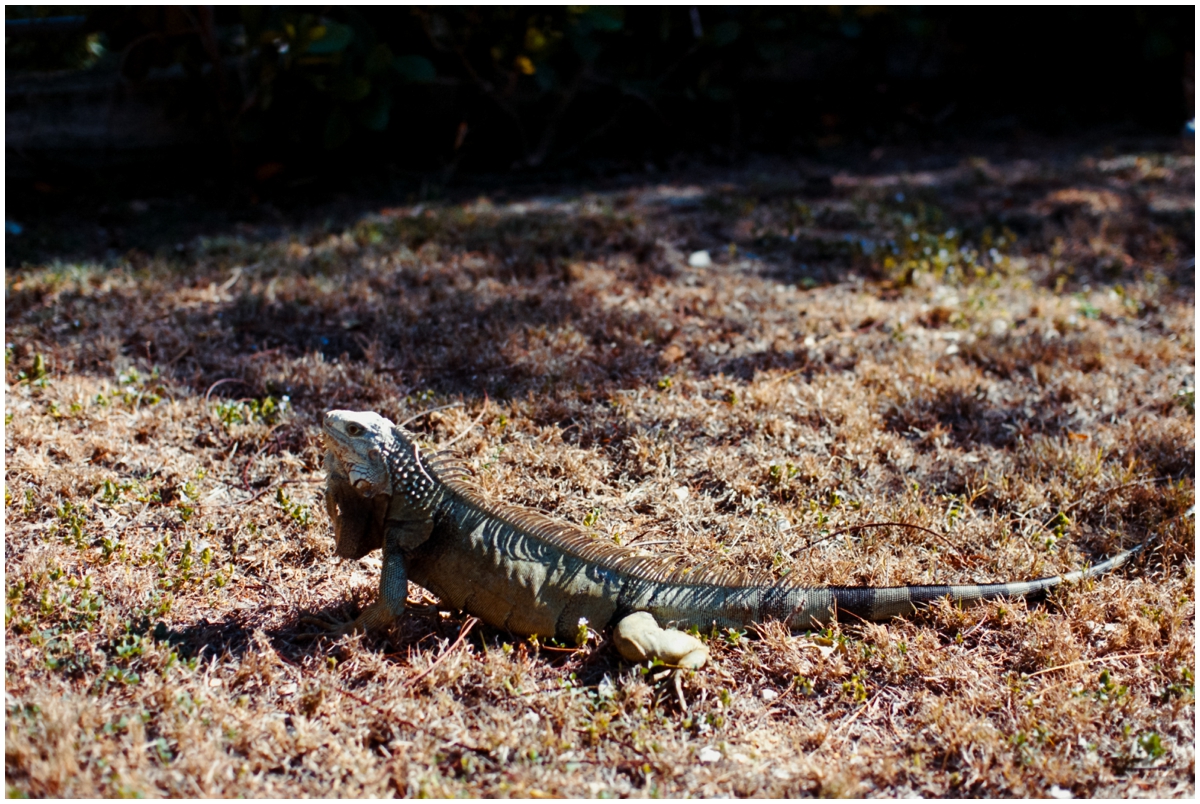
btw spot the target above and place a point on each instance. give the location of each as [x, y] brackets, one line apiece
[407, 469]
[456, 479]
[423, 481]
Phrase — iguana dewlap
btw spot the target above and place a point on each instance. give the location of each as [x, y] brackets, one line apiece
[520, 571]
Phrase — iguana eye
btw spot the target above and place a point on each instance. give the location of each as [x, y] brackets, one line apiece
[354, 429]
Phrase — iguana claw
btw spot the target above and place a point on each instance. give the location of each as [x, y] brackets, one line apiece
[328, 628]
[374, 616]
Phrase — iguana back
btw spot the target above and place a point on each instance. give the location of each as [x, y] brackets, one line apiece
[520, 570]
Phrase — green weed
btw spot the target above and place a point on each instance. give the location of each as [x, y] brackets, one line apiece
[300, 514]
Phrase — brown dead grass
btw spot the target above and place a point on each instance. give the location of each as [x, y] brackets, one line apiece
[163, 530]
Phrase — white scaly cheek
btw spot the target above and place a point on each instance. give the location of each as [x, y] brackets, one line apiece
[368, 481]
[362, 485]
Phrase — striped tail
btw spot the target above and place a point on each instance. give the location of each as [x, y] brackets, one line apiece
[884, 602]
[707, 605]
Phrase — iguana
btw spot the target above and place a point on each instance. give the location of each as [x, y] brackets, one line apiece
[521, 571]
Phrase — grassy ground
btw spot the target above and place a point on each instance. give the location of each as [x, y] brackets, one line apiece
[999, 351]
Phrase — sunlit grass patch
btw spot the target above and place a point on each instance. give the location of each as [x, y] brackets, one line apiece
[994, 403]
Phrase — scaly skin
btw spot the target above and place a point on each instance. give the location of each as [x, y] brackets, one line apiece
[520, 571]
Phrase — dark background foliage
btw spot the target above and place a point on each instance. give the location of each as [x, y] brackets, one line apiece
[276, 99]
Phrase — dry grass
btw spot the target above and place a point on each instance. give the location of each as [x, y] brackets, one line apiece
[1032, 404]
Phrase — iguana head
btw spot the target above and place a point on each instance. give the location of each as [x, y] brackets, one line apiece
[361, 442]
[358, 485]
[371, 466]
[377, 457]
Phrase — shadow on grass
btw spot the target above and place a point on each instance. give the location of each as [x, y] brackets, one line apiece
[420, 630]
[481, 311]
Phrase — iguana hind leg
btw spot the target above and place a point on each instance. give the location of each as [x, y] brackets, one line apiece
[639, 637]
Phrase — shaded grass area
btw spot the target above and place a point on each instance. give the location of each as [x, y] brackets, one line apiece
[1000, 352]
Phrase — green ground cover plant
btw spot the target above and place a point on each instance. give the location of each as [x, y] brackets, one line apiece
[999, 351]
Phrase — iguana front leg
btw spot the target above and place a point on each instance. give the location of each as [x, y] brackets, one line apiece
[399, 538]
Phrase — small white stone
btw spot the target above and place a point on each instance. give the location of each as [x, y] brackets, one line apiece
[952, 349]
[531, 716]
[699, 259]
[681, 493]
[1057, 792]
[606, 688]
[708, 754]
[810, 341]
[769, 695]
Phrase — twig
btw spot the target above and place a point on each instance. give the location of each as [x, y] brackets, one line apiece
[866, 525]
[591, 658]
[1102, 493]
[267, 489]
[186, 350]
[272, 587]
[246, 468]
[777, 702]
[265, 352]
[462, 635]
[784, 376]
[415, 726]
[963, 634]
[416, 416]
[845, 724]
[677, 679]
[1098, 659]
[618, 741]
[557, 649]
[515, 695]
[478, 419]
[212, 387]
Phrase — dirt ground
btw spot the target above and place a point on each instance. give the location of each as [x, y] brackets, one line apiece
[1000, 350]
